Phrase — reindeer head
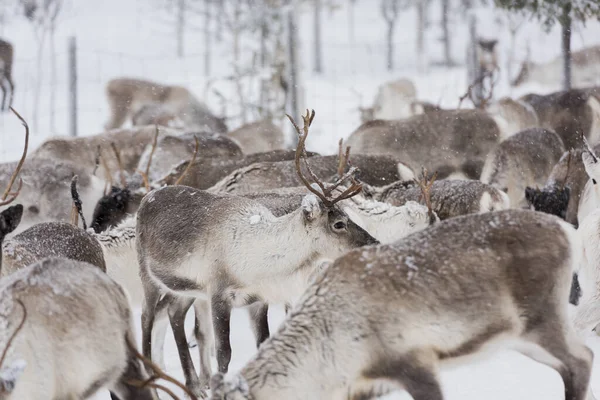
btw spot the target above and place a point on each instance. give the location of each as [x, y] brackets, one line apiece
[322, 215]
[235, 389]
[553, 200]
[111, 209]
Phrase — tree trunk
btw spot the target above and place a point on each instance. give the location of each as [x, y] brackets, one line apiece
[421, 19]
[180, 26]
[351, 37]
[390, 45]
[52, 79]
[566, 48]
[207, 38]
[317, 45]
[446, 33]
[38, 84]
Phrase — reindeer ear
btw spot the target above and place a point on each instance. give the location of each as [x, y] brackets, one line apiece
[311, 207]
[10, 219]
[529, 194]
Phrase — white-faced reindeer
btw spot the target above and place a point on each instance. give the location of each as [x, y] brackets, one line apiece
[234, 252]
[585, 68]
[448, 198]
[385, 318]
[523, 160]
[590, 198]
[6, 81]
[126, 96]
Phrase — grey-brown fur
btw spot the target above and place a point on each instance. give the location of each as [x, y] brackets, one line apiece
[45, 194]
[447, 141]
[575, 180]
[568, 113]
[525, 159]
[370, 324]
[259, 136]
[449, 198]
[51, 239]
[171, 150]
[377, 170]
[222, 235]
[83, 150]
[74, 339]
[206, 172]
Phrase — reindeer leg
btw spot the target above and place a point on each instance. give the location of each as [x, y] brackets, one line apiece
[259, 313]
[221, 315]
[203, 334]
[415, 372]
[159, 330]
[151, 298]
[177, 312]
[567, 354]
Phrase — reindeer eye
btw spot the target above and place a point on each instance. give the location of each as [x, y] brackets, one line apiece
[340, 225]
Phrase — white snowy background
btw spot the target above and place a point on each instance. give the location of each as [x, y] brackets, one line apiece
[125, 38]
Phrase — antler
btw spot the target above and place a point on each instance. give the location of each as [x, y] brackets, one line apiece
[107, 173]
[564, 182]
[426, 184]
[157, 374]
[589, 148]
[119, 163]
[12, 337]
[146, 173]
[326, 190]
[5, 200]
[77, 204]
[180, 179]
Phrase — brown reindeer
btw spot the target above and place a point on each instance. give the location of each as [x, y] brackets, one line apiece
[6, 63]
[127, 96]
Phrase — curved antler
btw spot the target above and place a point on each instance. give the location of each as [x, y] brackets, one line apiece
[425, 184]
[5, 197]
[326, 190]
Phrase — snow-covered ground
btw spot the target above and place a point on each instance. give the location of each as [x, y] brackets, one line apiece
[123, 38]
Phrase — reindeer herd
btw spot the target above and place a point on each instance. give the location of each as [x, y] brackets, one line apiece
[428, 238]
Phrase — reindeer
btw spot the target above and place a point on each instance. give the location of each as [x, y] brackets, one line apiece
[260, 136]
[84, 151]
[126, 96]
[562, 192]
[201, 173]
[171, 150]
[156, 114]
[523, 160]
[585, 67]
[590, 197]
[6, 63]
[374, 170]
[72, 305]
[513, 270]
[453, 141]
[167, 243]
[449, 198]
[513, 115]
[572, 114]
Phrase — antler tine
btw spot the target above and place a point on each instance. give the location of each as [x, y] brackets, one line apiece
[300, 152]
[564, 182]
[13, 178]
[425, 185]
[15, 333]
[589, 148]
[189, 166]
[119, 163]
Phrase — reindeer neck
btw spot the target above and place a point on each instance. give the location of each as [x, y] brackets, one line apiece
[287, 242]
